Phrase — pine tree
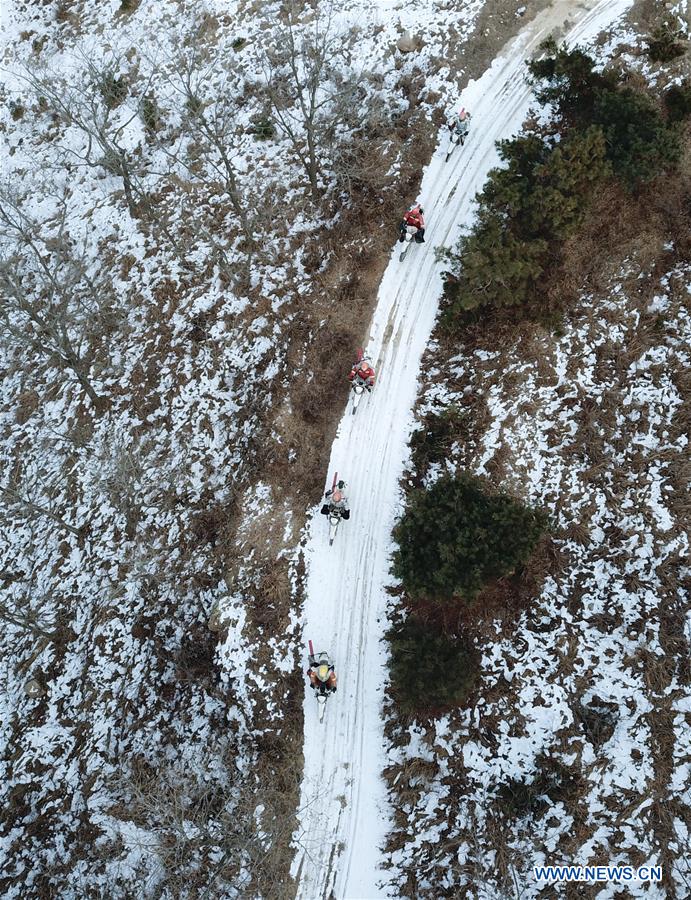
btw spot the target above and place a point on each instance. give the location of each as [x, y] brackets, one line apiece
[678, 101]
[454, 538]
[525, 209]
[540, 197]
[567, 79]
[639, 142]
[429, 669]
[565, 183]
[640, 145]
[497, 268]
[667, 41]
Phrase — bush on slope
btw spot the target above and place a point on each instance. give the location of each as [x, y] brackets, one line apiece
[600, 130]
[428, 668]
[454, 538]
[526, 210]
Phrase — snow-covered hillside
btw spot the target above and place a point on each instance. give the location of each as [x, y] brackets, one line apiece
[444, 775]
[576, 747]
[164, 260]
[197, 204]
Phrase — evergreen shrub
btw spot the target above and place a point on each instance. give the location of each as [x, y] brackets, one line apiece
[428, 669]
[666, 42]
[150, 114]
[640, 144]
[567, 79]
[538, 199]
[678, 101]
[263, 127]
[454, 538]
[112, 89]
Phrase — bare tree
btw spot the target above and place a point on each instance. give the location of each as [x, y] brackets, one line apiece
[214, 123]
[48, 299]
[33, 497]
[315, 93]
[184, 226]
[121, 472]
[190, 815]
[92, 102]
[20, 607]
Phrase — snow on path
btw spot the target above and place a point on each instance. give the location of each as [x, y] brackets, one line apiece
[344, 814]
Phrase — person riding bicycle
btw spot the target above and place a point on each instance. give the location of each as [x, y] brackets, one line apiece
[322, 673]
[459, 122]
[363, 372]
[337, 502]
[413, 218]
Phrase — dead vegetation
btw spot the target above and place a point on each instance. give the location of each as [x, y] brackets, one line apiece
[624, 283]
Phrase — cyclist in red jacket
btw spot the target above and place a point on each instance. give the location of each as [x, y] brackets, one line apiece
[414, 218]
[364, 372]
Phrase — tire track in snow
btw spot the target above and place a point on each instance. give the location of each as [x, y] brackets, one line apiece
[344, 815]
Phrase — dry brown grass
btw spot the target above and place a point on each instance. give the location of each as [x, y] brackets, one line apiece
[625, 227]
[411, 778]
[503, 601]
[26, 404]
[623, 233]
[270, 602]
[343, 302]
[577, 532]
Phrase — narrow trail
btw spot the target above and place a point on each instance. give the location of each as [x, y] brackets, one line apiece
[344, 815]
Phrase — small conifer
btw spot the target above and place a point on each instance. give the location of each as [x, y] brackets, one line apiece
[454, 538]
[429, 669]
